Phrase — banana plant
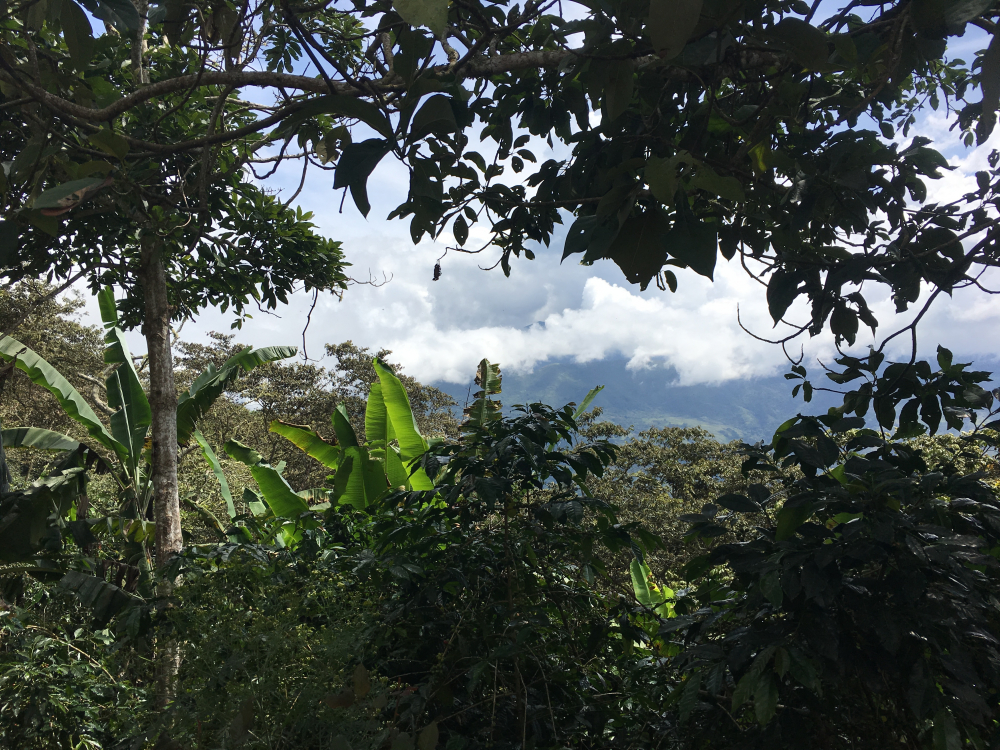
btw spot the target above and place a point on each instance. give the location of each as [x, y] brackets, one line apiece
[360, 472]
[124, 438]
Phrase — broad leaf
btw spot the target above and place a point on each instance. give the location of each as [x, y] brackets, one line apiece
[213, 461]
[212, 383]
[105, 599]
[342, 427]
[670, 25]
[355, 165]
[133, 416]
[587, 401]
[430, 13]
[38, 438]
[309, 441]
[42, 373]
[412, 444]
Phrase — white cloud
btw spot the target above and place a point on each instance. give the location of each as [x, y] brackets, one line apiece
[547, 310]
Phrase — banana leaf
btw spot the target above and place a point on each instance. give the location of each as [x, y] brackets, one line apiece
[309, 441]
[212, 383]
[484, 409]
[133, 416]
[213, 461]
[587, 401]
[36, 437]
[360, 479]
[346, 436]
[397, 404]
[42, 373]
[280, 498]
[104, 599]
[403, 426]
[27, 517]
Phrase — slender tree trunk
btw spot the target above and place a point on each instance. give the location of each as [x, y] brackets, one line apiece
[162, 402]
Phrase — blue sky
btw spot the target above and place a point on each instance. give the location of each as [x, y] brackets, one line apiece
[440, 330]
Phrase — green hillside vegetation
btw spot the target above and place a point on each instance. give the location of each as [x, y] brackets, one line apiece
[417, 614]
[212, 546]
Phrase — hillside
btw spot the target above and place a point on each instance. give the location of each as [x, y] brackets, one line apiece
[747, 410]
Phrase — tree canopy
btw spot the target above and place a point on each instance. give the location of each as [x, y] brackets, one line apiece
[775, 130]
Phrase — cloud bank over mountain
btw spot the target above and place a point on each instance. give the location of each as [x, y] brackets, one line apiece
[546, 311]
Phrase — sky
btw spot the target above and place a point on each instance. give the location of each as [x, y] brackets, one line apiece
[439, 330]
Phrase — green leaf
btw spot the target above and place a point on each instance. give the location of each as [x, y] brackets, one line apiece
[378, 430]
[26, 524]
[428, 737]
[639, 250]
[670, 25]
[38, 438]
[280, 498]
[105, 599]
[360, 480]
[765, 698]
[990, 77]
[935, 18]
[213, 461]
[618, 92]
[133, 416]
[782, 289]
[212, 383]
[355, 165]
[78, 33]
[121, 13]
[307, 440]
[109, 142]
[738, 503]
[709, 180]
[342, 427]
[695, 244]
[242, 453]
[483, 409]
[412, 444]
[640, 584]
[946, 734]
[806, 43]
[73, 404]
[63, 195]
[790, 518]
[342, 106]
[10, 235]
[587, 401]
[744, 688]
[461, 230]
[430, 13]
[434, 116]
[770, 587]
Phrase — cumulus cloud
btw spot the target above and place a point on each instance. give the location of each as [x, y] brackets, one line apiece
[551, 311]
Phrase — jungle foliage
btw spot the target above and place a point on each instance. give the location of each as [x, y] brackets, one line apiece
[525, 581]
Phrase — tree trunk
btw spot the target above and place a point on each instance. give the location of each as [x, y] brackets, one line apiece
[162, 402]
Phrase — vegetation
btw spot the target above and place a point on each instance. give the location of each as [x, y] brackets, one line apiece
[529, 577]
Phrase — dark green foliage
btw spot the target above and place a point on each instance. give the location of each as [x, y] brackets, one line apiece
[62, 683]
[490, 613]
[863, 615]
[272, 640]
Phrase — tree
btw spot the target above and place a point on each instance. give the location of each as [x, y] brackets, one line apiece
[732, 126]
[175, 232]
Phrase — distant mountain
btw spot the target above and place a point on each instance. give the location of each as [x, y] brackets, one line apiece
[747, 409]
[739, 409]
